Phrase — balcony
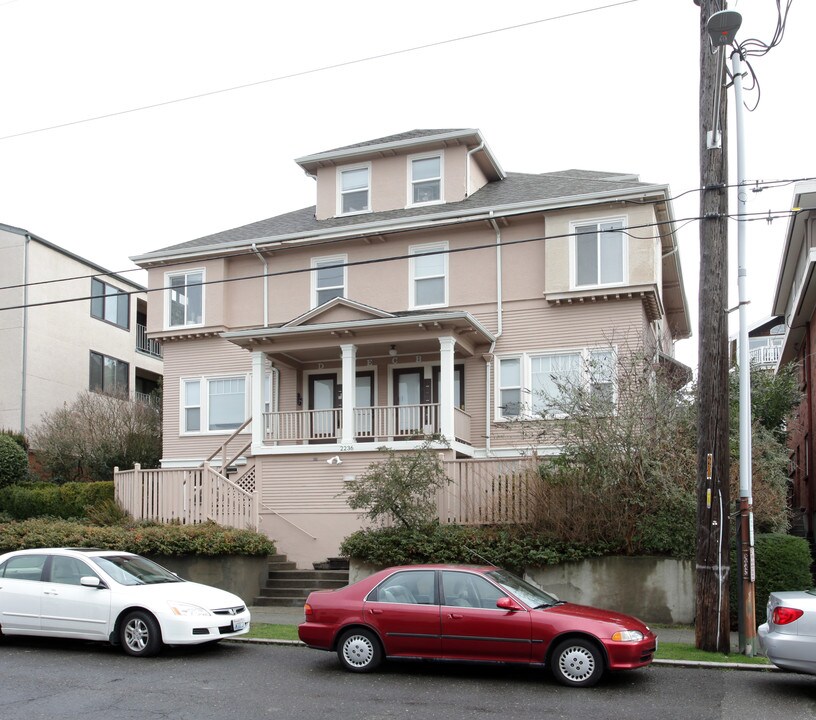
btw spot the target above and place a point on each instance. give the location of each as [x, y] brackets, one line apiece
[766, 355]
[371, 424]
[145, 344]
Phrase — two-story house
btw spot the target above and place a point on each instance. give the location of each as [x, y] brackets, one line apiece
[795, 303]
[428, 291]
[67, 325]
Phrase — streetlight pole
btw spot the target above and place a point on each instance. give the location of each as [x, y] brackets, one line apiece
[747, 609]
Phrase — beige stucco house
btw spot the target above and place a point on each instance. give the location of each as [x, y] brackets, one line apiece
[66, 327]
[427, 291]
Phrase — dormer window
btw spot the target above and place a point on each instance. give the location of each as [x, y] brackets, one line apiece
[425, 181]
[355, 189]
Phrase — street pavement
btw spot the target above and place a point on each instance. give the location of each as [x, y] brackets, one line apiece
[294, 616]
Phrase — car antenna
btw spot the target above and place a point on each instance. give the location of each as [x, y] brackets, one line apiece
[487, 562]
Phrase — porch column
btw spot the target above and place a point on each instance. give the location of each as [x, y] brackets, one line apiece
[447, 345]
[349, 380]
[258, 368]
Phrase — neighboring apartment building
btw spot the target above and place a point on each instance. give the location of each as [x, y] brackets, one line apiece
[765, 339]
[427, 291]
[795, 303]
[54, 347]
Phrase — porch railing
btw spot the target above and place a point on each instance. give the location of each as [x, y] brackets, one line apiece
[768, 355]
[383, 423]
[145, 344]
[186, 495]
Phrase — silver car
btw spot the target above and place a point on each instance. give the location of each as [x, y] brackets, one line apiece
[789, 636]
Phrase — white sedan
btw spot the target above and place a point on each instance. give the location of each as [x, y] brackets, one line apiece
[789, 636]
[112, 596]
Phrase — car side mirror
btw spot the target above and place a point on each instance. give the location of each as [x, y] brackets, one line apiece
[91, 581]
[505, 603]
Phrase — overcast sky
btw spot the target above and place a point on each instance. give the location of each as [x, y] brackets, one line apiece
[613, 88]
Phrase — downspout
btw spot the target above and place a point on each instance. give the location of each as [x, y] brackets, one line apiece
[265, 285]
[24, 363]
[499, 328]
[467, 167]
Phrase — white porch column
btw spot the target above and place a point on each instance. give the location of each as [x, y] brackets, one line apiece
[349, 358]
[258, 369]
[447, 345]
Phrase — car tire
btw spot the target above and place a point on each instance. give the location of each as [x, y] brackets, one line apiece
[359, 650]
[139, 634]
[577, 663]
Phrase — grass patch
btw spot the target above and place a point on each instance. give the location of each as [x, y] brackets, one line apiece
[268, 631]
[685, 651]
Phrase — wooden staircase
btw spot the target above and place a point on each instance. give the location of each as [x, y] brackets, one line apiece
[286, 586]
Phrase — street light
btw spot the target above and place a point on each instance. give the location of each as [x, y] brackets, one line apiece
[722, 28]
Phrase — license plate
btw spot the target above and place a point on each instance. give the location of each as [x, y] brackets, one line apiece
[238, 625]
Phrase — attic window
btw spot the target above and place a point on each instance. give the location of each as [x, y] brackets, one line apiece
[354, 184]
[425, 180]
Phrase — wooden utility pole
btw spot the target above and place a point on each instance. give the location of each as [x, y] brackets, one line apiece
[713, 497]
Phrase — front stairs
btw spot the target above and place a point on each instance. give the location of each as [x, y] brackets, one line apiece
[286, 586]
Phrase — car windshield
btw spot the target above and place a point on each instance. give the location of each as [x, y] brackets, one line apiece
[524, 591]
[134, 570]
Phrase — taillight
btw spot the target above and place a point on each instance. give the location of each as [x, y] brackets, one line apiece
[307, 610]
[785, 615]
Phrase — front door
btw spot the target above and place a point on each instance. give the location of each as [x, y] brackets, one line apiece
[70, 608]
[322, 401]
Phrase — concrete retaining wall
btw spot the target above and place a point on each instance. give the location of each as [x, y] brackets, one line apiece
[654, 589]
[239, 574]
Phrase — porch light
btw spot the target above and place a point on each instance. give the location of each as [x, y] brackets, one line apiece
[392, 351]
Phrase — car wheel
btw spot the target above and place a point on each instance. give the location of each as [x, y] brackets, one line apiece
[139, 634]
[359, 650]
[577, 663]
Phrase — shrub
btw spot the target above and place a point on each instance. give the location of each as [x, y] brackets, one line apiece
[46, 499]
[207, 539]
[19, 438]
[782, 563]
[512, 547]
[13, 461]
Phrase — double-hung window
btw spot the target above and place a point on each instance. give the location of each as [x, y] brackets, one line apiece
[213, 404]
[108, 375]
[429, 275]
[425, 180]
[510, 405]
[354, 190]
[185, 298]
[601, 373]
[108, 304]
[328, 279]
[600, 254]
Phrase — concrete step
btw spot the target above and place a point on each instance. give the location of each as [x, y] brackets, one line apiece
[265, 601]
[309, 576]
[310, 584]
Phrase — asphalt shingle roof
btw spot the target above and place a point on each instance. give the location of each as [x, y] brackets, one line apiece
[515, 188]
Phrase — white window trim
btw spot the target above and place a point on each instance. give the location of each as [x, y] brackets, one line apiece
[167, 291]
[328, 260]
[573, 260]
[204, 409]
[339, 181]
[410, 182]
[441, 247]
[527, 378]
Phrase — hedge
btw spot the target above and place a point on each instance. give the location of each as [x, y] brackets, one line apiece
[207, 539]
[29, 500]
[512, 547]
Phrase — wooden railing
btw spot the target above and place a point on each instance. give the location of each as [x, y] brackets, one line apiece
[488, 491]
[185, 495]
[767, 355]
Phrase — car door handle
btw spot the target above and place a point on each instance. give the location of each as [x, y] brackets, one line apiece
[374, 611]
[455, 616]
[50, 592]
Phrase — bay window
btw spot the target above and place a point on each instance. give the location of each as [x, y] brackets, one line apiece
[599, 254]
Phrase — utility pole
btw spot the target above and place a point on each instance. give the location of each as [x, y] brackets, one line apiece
[713, 496]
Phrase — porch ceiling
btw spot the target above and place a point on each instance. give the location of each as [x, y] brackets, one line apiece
[374, 338]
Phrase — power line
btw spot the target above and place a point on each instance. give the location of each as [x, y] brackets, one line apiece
[758, 186]
[320, 69]
[373, 261]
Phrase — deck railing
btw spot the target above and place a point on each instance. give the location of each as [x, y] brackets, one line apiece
[767, 355]
[145, 344]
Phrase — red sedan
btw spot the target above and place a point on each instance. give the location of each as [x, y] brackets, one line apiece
[483, 614]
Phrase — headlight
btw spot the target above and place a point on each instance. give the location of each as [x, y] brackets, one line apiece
[628, 636]
[187, 610]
